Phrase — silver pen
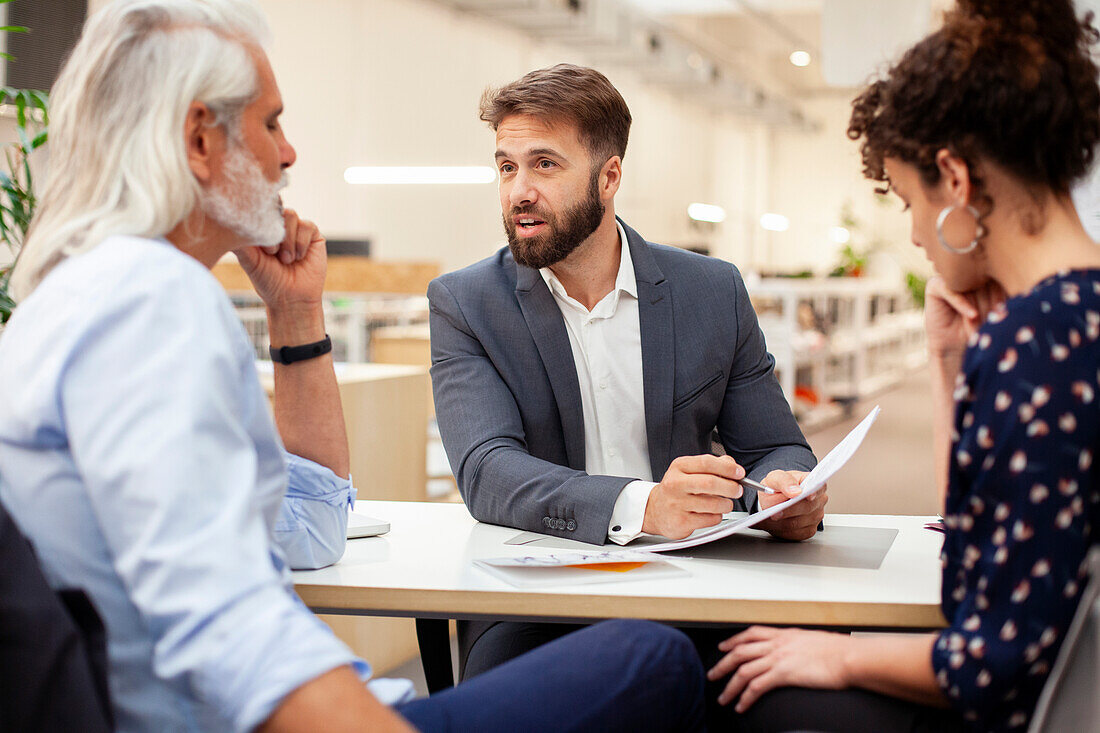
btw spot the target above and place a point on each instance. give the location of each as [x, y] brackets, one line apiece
[757, 485]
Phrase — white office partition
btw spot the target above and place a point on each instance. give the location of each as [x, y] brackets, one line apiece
[1083, 6]
[1086, 196]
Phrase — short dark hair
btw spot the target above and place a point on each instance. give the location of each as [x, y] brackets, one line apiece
[1011, 81]
[577, 93]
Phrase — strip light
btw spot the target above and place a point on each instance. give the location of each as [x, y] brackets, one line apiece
[707, 212]
[419, 175]
[775, 222]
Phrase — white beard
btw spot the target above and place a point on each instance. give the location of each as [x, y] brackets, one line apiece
[248, 204]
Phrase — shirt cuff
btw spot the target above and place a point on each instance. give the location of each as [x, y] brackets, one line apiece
[308, 479]
[249, 655]
[629, 512]
[311, 528]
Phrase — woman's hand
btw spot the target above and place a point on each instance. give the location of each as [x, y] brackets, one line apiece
[766, 658]
[950, 318]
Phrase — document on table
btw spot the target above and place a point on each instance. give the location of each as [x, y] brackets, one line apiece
[579, 567]
[812, 484]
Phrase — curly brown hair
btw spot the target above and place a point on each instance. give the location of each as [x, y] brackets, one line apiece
[1009, 81]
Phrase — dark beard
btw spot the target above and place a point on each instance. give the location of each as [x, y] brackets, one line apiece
[575, 226]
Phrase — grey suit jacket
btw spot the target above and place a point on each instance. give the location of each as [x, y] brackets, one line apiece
[509, 406]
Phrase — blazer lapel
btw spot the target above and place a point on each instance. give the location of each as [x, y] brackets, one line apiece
[547, 327]
[658, 353]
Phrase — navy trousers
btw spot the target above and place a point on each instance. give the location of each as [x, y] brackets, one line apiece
[614, 676]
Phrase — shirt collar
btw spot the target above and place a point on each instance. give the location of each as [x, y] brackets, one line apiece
[626, 281]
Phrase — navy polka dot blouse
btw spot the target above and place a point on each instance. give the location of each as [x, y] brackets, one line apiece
[1022, 499]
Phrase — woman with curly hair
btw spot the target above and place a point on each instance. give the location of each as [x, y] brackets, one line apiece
[980, 129]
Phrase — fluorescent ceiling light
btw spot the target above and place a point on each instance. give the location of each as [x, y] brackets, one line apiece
[840, 235]
[800, 58]
[775, 222]
[407, 175]
[707, 212]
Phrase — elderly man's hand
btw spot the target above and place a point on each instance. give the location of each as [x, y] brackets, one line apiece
[800, 521]
[292, 273]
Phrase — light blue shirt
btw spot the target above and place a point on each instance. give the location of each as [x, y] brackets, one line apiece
[138, 454]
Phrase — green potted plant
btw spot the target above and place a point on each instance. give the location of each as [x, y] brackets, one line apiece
[16, 181]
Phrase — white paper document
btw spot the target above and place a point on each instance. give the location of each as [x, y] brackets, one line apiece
[812, 484]
[569, 568]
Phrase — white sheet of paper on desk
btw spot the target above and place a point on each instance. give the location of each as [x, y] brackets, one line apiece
[812, 484]
[563, 559]
[572, 568]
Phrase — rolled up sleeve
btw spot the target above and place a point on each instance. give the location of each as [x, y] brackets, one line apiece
[313, 519]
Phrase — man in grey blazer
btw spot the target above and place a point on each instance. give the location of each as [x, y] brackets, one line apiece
[581, 372]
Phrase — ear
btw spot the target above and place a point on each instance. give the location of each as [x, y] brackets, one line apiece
[611, 177]
[204, 141]
[954, 176]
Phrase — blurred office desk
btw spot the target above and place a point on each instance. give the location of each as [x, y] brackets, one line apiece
[386, 416]
[863, 572]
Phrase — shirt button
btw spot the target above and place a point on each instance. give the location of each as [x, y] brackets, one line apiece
[603, 385]
[617, 528]
[611, 452]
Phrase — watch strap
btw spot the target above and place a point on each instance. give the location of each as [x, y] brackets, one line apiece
[292, 354]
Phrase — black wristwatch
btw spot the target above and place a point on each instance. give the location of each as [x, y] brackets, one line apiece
[291, 354]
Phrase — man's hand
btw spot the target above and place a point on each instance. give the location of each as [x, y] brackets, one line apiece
[694, 493]
[292, 273]
[800, 521]
[335, 702]
[766, 658]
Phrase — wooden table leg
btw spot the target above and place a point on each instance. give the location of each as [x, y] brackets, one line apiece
[434, 638]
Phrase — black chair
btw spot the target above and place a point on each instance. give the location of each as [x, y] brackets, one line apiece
[53, 660]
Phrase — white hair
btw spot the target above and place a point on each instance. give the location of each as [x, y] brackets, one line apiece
[118, 159]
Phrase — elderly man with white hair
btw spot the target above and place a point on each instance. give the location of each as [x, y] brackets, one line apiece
[136, 449]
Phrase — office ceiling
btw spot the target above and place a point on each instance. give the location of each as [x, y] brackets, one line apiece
[731, 55]
[721, 6]
[757, 37]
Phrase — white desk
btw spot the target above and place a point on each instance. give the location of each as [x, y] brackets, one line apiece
[422, 568]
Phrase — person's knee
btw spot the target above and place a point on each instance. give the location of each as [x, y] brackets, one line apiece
[657, 645]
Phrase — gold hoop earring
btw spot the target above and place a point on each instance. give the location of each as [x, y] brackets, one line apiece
[978, 234]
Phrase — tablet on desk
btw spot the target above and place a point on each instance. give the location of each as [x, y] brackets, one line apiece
[360, 525]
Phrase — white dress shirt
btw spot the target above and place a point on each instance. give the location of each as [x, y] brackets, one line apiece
[138, 454]
[607, 352]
